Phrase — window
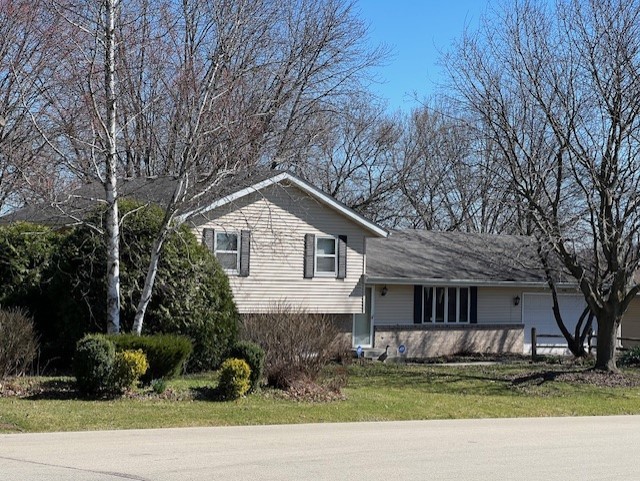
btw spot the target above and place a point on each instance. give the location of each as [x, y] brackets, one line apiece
[446, 305]
[326, 258]
[226, 251]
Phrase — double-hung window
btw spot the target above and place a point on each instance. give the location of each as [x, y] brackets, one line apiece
[446, 305]
[326, 258]
[226, 251]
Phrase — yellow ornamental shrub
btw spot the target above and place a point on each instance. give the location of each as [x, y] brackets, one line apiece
[129, 366]
[234, 380]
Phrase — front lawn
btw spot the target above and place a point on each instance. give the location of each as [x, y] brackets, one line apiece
[374, 392]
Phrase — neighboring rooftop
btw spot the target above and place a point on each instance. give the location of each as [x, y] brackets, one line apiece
[420, 256]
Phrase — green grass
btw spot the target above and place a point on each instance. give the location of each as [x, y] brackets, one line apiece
[374, 392]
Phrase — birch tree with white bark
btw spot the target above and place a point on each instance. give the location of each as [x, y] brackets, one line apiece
[81, 124]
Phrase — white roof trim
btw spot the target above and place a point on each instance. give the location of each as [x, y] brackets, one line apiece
[463, 282]
[304, 186]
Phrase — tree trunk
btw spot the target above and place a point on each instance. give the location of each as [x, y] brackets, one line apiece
[152, 271]
[607, 341]
[111, 191]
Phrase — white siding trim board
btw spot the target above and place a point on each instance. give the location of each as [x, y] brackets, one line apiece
[463, 283]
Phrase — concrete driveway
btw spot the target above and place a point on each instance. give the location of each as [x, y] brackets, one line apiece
[496, 449]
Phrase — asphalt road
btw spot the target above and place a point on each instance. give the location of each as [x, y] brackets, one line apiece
[499, 449]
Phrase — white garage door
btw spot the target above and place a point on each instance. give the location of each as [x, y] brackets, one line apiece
[537, 312]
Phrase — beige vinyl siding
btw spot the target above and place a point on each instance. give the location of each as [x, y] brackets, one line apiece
[496, 305]
[631, 322]
[278, 218]
[394, 308]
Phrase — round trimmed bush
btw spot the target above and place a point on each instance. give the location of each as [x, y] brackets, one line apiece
[234, 378]
[253, 354]
[128, 367]
[93, 363]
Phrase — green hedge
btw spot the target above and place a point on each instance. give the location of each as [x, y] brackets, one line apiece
[166, 354]
[26, 251]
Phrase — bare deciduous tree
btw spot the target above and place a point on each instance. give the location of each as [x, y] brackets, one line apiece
[557, 89]
[196, 90]
[26, 168]
[447, 175]
[351, 157]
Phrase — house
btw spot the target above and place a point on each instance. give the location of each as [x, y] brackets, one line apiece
[280, 239]
[442, 293]
[283, 241]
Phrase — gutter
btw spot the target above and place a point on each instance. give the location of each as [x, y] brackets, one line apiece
[463, 282]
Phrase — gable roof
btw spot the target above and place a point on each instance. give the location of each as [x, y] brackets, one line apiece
[73, 206]
[302, 185]
[453, 258]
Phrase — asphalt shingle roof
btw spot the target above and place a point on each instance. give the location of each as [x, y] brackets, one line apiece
[453, 256]
[77, 203]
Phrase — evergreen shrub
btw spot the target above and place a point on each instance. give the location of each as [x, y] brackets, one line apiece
[93, 364]
[128, 367]
[166, 354]
[191, 295]
[253, 354]
[234, 378]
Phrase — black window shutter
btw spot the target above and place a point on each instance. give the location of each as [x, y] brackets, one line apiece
[309, 255]
[245, 252]
[208, 236]
[473, 291]
[417, 304]
[342, 256]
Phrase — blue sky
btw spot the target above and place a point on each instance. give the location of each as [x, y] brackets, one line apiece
[416, 31]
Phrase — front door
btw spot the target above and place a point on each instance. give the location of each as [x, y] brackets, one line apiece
[363, 323]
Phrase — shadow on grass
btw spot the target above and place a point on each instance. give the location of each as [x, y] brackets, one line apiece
[206, 393]
[537, 378]
[65, 390]
[479, 380]
[432, 379]
[55, 389]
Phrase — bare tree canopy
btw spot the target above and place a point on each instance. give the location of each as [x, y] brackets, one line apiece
[556, 88]
[446, 175]
[26, 167]
[351, 157]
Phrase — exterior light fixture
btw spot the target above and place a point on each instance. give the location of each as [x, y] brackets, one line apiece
[383, 291]
[516, 300]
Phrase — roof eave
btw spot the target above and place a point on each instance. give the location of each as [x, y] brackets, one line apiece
[462, 282]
